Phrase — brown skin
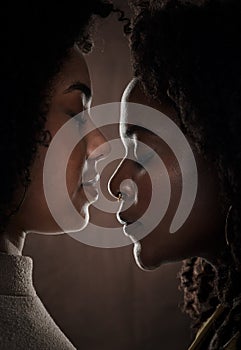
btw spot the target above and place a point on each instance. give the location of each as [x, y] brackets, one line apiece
[34, 214]
[203, 232]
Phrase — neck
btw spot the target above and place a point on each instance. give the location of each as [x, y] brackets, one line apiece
[12, 241]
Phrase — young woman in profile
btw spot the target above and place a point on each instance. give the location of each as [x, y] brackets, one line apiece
[44, 83]
[186, 58]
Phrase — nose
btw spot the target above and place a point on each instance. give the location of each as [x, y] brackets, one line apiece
[97, 146]
[122, 181]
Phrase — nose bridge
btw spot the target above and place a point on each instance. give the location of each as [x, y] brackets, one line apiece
[97, 145]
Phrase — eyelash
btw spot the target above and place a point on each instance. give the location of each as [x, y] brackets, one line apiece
[140, 160]
[80, 120]
[72, 114]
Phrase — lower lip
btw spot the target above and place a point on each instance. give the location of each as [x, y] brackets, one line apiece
[134, 230]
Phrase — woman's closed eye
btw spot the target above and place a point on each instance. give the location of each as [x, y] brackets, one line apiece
[144, 155]
[80, 118]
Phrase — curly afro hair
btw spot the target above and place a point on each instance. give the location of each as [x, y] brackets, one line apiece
[36, 38]
[191, 52]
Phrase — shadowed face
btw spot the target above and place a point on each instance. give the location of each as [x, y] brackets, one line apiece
[202, 233]
[71, 94]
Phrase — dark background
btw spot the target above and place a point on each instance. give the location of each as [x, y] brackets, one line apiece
[99, 297]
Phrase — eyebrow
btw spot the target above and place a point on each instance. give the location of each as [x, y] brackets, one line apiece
[80, 87]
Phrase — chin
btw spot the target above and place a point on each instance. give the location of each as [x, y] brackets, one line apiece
[85, 215]
[73, 223]
[76, 219]
[142, 263]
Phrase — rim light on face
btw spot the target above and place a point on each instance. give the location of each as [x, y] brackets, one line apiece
[56, 164]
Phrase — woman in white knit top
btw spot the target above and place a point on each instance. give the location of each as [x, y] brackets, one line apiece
[45, 83]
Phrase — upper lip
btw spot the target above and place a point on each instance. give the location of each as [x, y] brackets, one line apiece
[126, 216]
[92, 181]
[124, 221]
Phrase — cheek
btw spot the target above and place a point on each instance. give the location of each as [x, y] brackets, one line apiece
[201, 233]
[145, 188]
[36, 186]
[75, 167]
[34, 213]
[165, 188]
[207, 209]
[158, 191]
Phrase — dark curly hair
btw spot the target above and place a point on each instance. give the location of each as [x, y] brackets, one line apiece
[36, 38]
[190, 51]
